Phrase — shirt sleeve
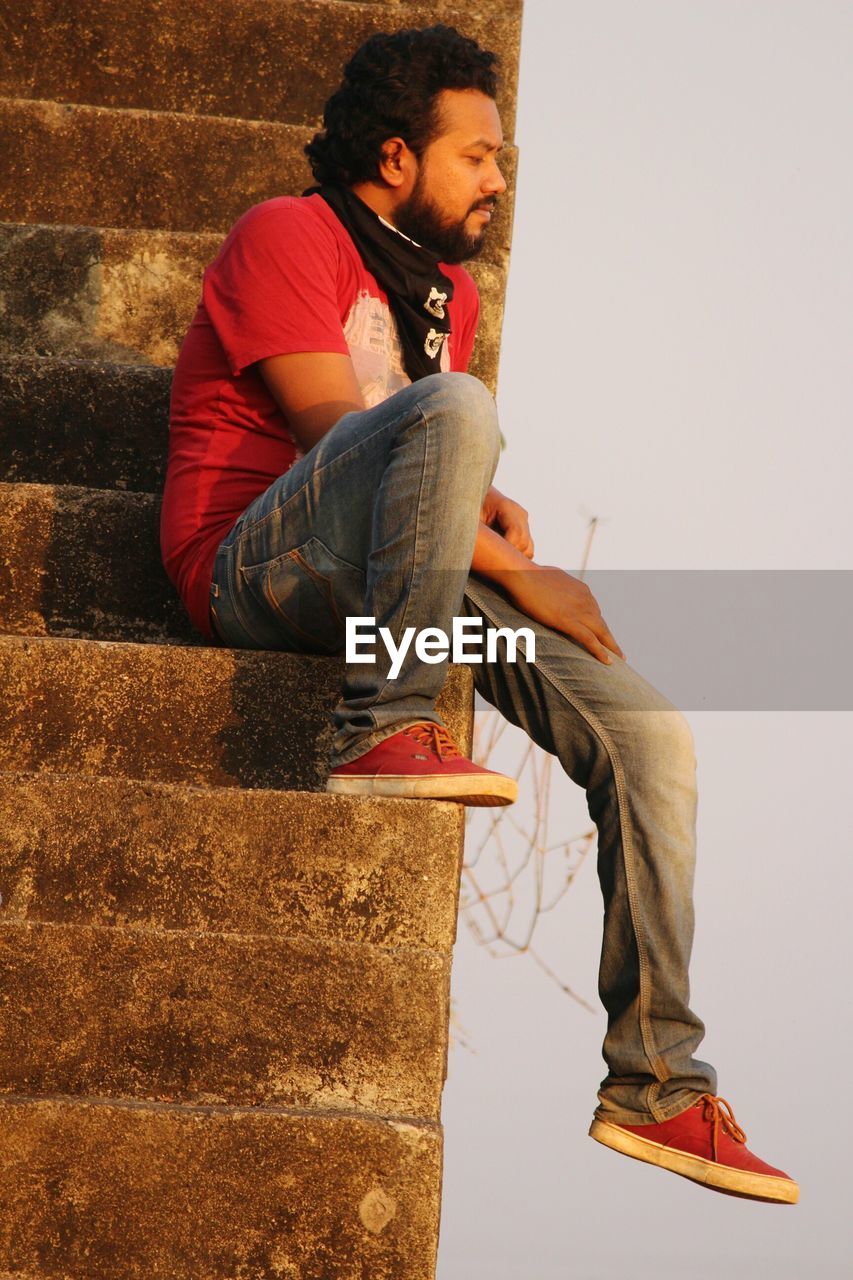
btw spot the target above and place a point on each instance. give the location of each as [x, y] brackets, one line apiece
[272, 289]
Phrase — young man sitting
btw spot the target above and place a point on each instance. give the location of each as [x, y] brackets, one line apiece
[331, 458]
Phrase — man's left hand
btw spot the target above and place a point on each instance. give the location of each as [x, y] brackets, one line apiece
[509, 519]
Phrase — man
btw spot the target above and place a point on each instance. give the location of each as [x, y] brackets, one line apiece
[330, 458]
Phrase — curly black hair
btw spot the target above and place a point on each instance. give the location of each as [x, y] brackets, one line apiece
[390, 89]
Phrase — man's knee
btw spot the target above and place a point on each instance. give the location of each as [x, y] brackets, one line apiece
[672, 737]
[652, 737]
[659, 751]
[466, 409]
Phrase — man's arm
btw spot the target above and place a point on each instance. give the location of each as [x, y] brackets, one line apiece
[313, 389]
[544, 592]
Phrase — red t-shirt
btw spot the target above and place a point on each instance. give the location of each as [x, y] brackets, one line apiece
[288, 278]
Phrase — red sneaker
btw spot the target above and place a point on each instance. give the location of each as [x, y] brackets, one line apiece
[704, 1143]
[421, 761]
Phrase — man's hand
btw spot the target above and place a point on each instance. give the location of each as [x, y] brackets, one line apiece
[545, 593]
[509, 519]
[552, 596]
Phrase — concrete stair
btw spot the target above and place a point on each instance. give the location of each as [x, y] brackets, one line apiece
[244, 1019]
[81, 422]
[226, 860]
[127, 297]
[276, 60]
[224, 993]
[110, 1188]
[65, 559]
[157, 170]
[203, 716]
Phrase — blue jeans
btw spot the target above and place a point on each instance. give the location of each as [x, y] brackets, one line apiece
[379, 520]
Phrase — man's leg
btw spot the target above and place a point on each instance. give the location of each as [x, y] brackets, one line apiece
[379, 519]
[632, 752]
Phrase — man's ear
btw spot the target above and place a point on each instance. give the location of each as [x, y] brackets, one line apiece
[395, 160]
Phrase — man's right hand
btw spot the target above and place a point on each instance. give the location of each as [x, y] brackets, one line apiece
[555, 598]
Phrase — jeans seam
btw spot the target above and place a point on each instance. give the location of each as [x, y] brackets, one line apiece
[214, 623]
[654, 1060]
[652, 1095]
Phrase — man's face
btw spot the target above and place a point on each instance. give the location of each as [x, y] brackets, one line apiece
[458, 179]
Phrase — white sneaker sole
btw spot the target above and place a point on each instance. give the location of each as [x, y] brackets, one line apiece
[475, 789]
[757, 1186]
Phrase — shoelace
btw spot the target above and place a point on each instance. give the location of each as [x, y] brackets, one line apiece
[436, 737]
[713, 1111]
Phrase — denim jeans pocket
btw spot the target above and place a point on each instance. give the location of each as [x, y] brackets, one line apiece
[309, 591]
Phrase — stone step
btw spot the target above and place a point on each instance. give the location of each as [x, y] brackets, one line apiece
[64, 567]
[204, 716]
[96, 1188]
[86, 562]
[124, 297]
[80, 422]
[248, 1020]
[116, 167]
[127, 297]
[113, 851]
[149, 169]
[184, 56]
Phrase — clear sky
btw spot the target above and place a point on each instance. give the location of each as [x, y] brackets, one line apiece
[676, 361]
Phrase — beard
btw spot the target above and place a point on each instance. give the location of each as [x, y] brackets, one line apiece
[421, 219]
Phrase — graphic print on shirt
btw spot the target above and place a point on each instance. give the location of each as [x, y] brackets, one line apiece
[374, 346]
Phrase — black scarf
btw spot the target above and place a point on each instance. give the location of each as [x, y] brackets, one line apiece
[418, 291]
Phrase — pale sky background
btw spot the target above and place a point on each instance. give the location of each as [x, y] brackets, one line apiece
[676, 360]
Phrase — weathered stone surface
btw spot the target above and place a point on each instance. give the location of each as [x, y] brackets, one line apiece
[122, 296]
[101, 166]
[144, 1192]
[204, 716]
[243, 58]
[112, 851]
[78, 422]
[485, 359]
[127, 297]
[104, 167]
[86, 562]
[177, 1016]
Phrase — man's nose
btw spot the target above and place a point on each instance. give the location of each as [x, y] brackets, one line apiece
[496, 183]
